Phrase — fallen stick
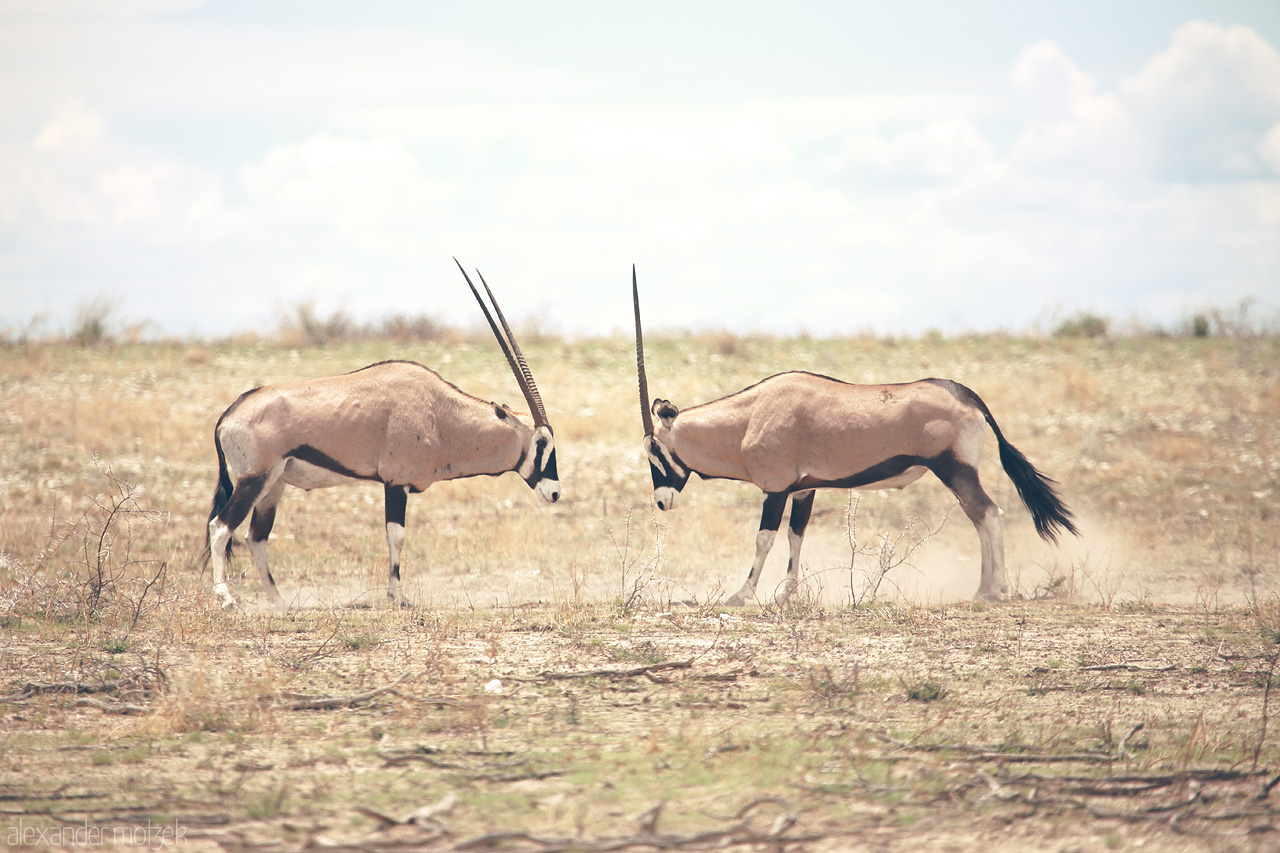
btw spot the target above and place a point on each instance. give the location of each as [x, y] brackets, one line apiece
[37, 688]
[991, 753]
[299, 702]
[619, 673]
[109, 707]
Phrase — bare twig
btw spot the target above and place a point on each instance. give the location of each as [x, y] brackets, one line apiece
[739, 833]
[298, 702]
[1120, 750]
[111, 707]
[1132, 666]
[620, 673]
[1266, 700]
[34, 688]
[1266, 789]
[999, 753]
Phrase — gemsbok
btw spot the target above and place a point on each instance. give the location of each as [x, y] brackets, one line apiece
[396, 423]
[796, 432]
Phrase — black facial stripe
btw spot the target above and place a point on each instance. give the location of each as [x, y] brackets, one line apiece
[667, 469]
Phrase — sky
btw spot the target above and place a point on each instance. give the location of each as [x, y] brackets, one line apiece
[823, 168]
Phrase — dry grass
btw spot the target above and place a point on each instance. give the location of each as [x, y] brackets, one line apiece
[822, 720]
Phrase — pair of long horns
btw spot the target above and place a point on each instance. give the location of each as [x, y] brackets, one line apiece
[645, 417]
[524, 378]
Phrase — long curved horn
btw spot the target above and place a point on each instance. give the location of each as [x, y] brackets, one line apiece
[530, 396]
[645, 416]
[515, 345]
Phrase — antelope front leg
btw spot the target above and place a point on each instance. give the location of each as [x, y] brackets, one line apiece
[770, 519]
[397, 499]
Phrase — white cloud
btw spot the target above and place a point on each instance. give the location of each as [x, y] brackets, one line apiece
[1269, 149]
[349, 166]
[1206, 102]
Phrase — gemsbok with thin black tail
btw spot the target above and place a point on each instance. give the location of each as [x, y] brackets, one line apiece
[396, 423]
[797, 432]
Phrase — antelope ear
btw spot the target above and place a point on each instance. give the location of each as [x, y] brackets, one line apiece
[665, 410]
[500, 410]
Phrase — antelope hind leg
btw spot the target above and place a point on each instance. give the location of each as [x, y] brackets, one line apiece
[963, 480]
[244, 495]
[264, 517]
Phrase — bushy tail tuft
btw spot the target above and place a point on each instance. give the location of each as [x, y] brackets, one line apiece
[1037, 491]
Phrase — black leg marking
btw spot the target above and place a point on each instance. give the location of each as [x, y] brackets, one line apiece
[261, 523]
[801, 509]
[962, 480]
[775, 504]
[397, 503]
[243, 497]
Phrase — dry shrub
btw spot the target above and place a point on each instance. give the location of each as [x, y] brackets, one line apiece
[88, 572]
[205, 702]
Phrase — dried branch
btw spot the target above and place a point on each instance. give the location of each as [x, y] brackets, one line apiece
[111, 707]
[739, 833]
[301, 702]
[1266, 701]
[1131, 666]
[646, 671]
[36, 688]
[1001, 753]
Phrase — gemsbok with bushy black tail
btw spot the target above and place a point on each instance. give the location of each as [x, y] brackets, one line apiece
[396, 423]
[796, 432]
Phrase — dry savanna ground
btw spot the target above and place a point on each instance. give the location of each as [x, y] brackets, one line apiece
[566, 679]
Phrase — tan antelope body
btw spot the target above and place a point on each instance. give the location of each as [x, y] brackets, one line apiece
[396, 423]
[797, 432]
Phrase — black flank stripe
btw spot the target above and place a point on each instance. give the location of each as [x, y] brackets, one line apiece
[877, 473]
[307, 453]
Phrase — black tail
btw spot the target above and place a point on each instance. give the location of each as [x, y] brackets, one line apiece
[1037, 491]
[221, 495]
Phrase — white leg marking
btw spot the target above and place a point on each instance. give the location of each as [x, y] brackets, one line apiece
[258, 550]
[395, 542]
[994, 585]
[764, 541]
[219, 535]
[793, 568]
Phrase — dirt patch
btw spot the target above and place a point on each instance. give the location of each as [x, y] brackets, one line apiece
[587, 727]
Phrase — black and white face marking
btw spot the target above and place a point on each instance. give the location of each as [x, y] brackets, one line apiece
[538, 468]
[669, 475]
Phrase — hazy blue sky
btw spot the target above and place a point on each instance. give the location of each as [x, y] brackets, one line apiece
[818, 166]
